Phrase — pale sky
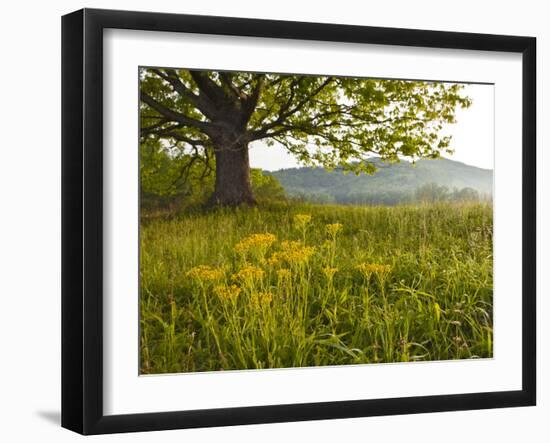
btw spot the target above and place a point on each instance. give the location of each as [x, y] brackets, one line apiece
[472, 136]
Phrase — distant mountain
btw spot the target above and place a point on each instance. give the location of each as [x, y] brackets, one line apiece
[391, 183]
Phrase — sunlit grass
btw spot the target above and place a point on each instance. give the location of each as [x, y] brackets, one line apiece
[293, 285]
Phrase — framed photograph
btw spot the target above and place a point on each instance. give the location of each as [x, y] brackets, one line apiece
[269, 221]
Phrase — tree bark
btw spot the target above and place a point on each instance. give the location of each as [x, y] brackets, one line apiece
[233, 185]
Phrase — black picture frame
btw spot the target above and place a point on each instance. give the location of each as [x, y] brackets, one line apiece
[82, 218]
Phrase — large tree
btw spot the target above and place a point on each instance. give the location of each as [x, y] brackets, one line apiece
[212, 117]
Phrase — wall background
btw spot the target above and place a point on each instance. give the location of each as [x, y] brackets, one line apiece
[30, 218]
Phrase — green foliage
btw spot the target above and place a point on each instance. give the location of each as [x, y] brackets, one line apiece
[322, 120]
[172, 180]
[266, 187]
[169, 177]
[465, 194]
[162, 173]
[379, 285]
[431, 193]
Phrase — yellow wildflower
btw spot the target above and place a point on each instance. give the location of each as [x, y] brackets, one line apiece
[302, 220]
[333, 229]
[283, 274]
[255, 243]
[329, 272]
[274, 260]
[229, 293]
[249, 274]
[368, 269]
[204, 273]
[294, 253]
[260, 299]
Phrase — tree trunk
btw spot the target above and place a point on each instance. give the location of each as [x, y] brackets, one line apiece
[233, 186]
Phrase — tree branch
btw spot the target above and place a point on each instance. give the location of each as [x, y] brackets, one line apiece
[207, 86]
[284, 113]
[237, 93]
[201, 102]
[250, 103]
[172, 115]
[182, 138]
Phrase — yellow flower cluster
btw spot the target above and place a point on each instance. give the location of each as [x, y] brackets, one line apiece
[203, 273]
[274, 260]
[283, 274]
[329, 272]
[333, 229]
[255, 242]
[293, 253]
[302, 220]
[249, 274]
[367, 269]
[261, 298]
[229, 293]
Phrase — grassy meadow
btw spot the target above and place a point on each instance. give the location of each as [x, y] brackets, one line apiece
[295, 285]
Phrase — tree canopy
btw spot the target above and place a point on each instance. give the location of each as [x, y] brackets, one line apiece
[210, 117]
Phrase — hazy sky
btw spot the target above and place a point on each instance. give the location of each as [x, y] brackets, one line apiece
[472, 136]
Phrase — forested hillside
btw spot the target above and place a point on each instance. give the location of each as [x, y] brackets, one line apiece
[391, 184]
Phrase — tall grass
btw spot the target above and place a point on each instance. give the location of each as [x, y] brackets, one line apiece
[321, 285]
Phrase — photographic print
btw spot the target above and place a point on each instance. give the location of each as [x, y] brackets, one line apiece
[299, 220]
